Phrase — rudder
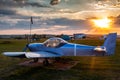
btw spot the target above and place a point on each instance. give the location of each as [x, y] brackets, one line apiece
[110, 43]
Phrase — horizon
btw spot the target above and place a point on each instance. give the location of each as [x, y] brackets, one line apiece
[57, 34]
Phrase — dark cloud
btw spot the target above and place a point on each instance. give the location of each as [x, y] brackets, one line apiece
[54, 2]
[118, 20]
[20, 3]
[22, 25]
[48, 23]
[39, 23]
[11, 25]
[37, 5]
[4, 25]
[73, 24]
[70, 23]
[7, 12]
[5, 3]
[9, 7]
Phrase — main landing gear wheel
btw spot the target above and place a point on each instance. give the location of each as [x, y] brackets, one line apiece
[35, 60]
[57, 59]
[46, 62]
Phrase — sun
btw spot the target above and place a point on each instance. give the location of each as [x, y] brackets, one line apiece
[102, 23]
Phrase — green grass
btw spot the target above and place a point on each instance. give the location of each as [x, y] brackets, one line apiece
[88, 68]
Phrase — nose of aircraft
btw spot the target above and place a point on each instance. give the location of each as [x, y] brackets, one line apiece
[25, 48]
[35, 46]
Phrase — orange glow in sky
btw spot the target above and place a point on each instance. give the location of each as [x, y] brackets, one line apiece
[102, 23]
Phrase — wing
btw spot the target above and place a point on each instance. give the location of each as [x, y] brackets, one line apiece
[40, 54]
[15, 54]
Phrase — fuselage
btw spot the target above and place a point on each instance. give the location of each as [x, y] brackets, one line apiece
[57, 47]
[68, 49]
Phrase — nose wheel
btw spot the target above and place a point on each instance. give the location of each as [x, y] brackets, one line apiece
[46, 62]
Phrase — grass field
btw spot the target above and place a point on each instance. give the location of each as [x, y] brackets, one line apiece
[88, 68]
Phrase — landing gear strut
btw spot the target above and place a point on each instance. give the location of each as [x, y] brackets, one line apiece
[57, 59]
[35, 60]
[46, 62]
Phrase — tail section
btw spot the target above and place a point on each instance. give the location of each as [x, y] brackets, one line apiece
[110, 43]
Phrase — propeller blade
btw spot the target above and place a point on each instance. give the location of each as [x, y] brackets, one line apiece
[26, 47]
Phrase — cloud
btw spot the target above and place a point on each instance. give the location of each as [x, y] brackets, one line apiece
[4, 12]
[9, 7]
[74, 8]
[41, 23]
[118, 19]
[68, 15]
[48, 23]
[20, 3]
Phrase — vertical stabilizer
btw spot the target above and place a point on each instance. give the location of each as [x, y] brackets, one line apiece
[110, 43]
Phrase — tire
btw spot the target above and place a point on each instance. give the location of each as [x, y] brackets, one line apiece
[35, 60]
[45, 62]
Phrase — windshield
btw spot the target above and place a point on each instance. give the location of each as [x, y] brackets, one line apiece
[55, 42]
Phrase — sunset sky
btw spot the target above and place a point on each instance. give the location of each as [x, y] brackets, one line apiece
[67, 17]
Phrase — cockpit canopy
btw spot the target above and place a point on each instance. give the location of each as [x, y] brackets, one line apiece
[55, 42]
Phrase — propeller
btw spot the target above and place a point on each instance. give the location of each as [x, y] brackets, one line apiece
[25, 48]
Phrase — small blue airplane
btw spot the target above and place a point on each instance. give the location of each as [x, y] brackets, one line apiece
[57, 47]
